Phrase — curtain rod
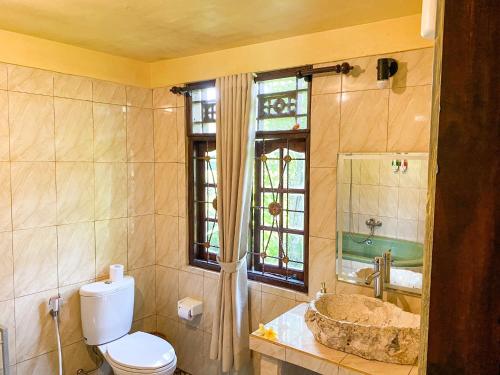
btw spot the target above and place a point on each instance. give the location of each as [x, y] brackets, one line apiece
[303, 72]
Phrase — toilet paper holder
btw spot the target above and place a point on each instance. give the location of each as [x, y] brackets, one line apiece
[188, 308]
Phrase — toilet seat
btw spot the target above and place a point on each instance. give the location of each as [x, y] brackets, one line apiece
[141, 353]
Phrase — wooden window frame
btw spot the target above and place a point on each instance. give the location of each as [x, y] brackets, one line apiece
[300, 134]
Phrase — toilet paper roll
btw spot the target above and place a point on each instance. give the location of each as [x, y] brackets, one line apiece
[184, 313]
[116, 272]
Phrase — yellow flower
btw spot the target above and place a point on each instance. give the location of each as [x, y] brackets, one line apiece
[262, 330]
[267, 333]
[271, 334]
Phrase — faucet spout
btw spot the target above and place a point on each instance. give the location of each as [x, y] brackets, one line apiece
[370, 277]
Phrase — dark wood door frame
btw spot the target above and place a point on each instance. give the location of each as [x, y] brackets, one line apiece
[464, 312]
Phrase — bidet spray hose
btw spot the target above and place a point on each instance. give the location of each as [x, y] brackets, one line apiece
[55, 305]
[59, 349]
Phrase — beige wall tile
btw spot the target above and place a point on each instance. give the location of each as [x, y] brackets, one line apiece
[141, 241]
[76, 253]
[408, 204]
[35, 260]
[140, 134]
[182, 189]
[183, 242]
[75, 192]
[363, 76]
[35, 333]
[147, 324]
[111, 244]
[165, 134]
[325, 126]
[368, 199]
[35, 81]
[326, 84]
[110, 190]
[33, 194]
[140, 188]
[255, 308]
[144, 301]
[31, 119]
[108, 92]
[414, 67]
[77, 356]
[322, 202]
[181, 134]
[45, 364]
[363, 124]
[209, 301]
[370, 172]
[75, 87]
[409, 119]
[3, 76]
[74, 130]
[6, 267]
[388, 201]
[190, 340]
[163, 98]
[167, 240]
[5, 198]
[110, 133]
[8, 320]
[4, 126]
[166, 195]
[167, 291]
[407, 229]
[273, 306]
[139, 97]
[70, 324]
[321, 264]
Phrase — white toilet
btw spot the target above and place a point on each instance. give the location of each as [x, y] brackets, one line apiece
[107, 310]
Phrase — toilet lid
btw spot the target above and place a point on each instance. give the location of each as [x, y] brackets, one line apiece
[141, 350]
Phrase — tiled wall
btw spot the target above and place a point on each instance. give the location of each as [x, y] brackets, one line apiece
[348, 114]
[76, 194]
[396, 199]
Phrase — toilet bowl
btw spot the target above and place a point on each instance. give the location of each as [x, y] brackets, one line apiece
[107, 311]
[140, 353]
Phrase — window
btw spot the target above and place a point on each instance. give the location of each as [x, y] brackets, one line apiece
[280, 193]
[202, 167]
[279, 224]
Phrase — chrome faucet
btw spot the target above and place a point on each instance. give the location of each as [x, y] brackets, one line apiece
[380, 275]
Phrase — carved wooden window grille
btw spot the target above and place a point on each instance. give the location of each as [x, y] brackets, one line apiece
[279, 248]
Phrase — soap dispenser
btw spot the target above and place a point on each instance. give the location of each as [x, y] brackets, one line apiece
[322, 290]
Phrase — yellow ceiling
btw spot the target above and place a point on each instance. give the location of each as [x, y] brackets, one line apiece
[151, 30]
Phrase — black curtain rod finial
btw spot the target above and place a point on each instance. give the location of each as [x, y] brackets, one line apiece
[343, 68]
[177, 90]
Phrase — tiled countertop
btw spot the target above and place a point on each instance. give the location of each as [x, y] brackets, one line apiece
[296, 344]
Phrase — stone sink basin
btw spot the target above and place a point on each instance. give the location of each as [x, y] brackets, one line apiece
[365, 326]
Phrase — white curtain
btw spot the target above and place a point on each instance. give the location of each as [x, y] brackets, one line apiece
[235, 145]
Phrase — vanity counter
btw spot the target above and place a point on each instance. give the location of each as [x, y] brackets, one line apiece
[296, 344]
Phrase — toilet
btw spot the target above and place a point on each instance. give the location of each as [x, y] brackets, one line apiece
[106, 310]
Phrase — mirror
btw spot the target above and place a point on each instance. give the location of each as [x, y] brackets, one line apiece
[381, 208]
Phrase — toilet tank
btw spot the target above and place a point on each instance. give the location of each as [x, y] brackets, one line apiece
[107, 309]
